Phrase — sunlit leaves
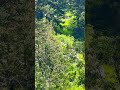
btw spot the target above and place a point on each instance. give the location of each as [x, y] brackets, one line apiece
[59, 56]
[81, 57]
[68, 23]
[66, 41]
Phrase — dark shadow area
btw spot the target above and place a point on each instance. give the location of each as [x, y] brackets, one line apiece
[17, 47]
[102, 45]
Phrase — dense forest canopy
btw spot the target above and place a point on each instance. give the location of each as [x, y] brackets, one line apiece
[59, 43]
[67, 16]
[102, 51]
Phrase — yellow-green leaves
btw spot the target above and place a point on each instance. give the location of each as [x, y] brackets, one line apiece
[110, 75]
[68, 20]
[81, 57]
[68, 23]
[81, 87]
[66, 41]
[68, 14]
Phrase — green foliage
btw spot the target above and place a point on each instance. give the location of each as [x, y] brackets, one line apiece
[102, 60]
[81, 57]
[66, 41]
[68, 20]
[68, 23]
[60, 63]
[110, 74]
[89, 35]
[81, 87]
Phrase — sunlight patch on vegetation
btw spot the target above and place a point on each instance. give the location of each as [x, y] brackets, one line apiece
[59, 55]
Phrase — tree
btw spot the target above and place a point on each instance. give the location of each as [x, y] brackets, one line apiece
[60, 63]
